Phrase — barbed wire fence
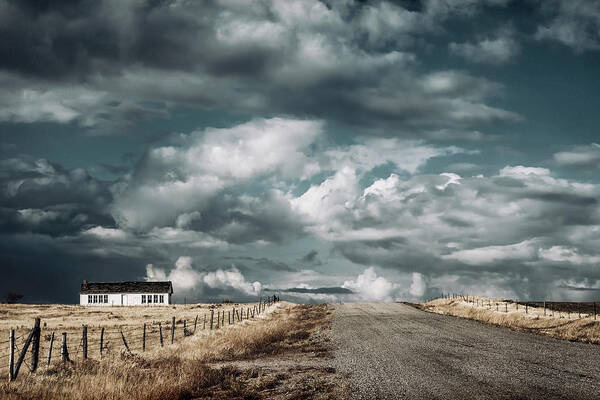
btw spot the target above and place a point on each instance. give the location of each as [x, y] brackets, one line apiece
[566, 310]
[104, 341]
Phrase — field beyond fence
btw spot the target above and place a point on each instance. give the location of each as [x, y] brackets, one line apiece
[34, 337]
[575, 321]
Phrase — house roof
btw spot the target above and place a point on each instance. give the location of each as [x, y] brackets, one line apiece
[125, 287]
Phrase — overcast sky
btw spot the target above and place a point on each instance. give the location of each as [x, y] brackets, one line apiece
[330, 150]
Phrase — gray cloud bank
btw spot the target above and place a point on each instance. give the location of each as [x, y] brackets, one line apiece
[519, 232]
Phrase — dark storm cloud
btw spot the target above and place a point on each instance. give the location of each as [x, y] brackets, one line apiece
[311, 257]
[323, 290]
[47, 270]
[307, 59]
[47, 198]
[262, 263]
[573, 23]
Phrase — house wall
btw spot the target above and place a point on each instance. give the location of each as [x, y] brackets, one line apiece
[126, 299]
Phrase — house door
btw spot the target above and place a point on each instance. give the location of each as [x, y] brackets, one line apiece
[123, 299]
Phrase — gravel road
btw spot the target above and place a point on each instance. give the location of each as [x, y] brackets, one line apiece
[394, 351]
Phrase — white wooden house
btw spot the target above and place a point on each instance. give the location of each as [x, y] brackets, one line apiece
[125, 293]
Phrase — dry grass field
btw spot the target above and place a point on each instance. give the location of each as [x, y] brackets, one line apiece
[561, 320]
[280, 354]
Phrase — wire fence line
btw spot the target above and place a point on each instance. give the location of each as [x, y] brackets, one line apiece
[48, 348]
[552, 309]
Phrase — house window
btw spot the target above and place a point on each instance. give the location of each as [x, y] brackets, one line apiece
[162, 298]
[106, 298]
[95, 298]
[156, 298]
[149, 299]
[89, 298]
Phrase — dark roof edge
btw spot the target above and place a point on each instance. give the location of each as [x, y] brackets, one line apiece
[126, 287]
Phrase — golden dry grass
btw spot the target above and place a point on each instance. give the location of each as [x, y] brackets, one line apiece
[205, 365]
[130, 320]
[555, 324]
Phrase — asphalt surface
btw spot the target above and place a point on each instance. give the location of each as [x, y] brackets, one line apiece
[394, 351]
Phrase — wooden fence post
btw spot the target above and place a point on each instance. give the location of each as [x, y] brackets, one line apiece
[204, 324]
[35, 346]
[195, 323]
[85, 343]
[101, 341]
[11, 356]
[160, 334]
[526, 308]
[125, 342]
[579, 309]
[544, 308]
[144, 338]
[212, 316]
[218, 319]
[50, 349]
[23, 353]
[505, 307]
[64, 350]
[172, 330]
[594, 310]
[184, 328]
[223, 318]
[229, 317]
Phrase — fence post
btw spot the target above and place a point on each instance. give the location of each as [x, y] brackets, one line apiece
[204, 324]
[526, 308]
[85, 343]
[125, 342]
[35, 346]
[594, 310]
[505, 307]
[172, 330]
[101, 341]
[544, 308]
[50, 349]
[23, 353]
[579, 309]
[229, 317]
[64, 350]
[144, 338]
[218, 319]
[11, 356]
[212, 316]
[184, 324]
[223, 318]
[160, 333]
[195, 323]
